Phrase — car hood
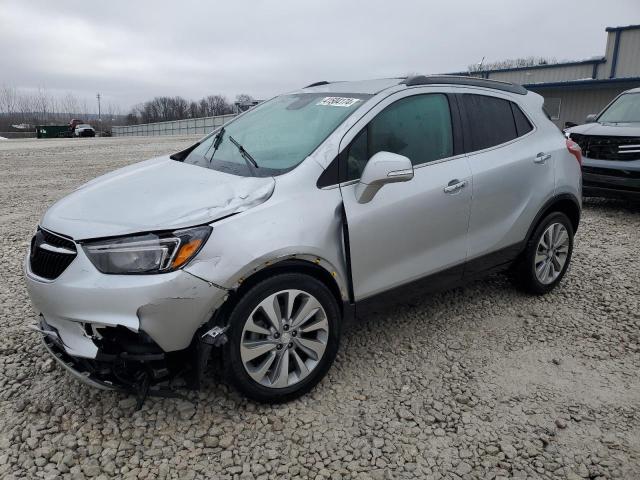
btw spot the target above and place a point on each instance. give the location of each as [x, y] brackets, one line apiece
[157, 194]
[608, 129]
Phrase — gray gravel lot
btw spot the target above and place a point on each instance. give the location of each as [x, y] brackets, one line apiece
[477, 382]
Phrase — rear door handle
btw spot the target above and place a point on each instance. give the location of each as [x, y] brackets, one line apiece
[542, 158]
[454, 186]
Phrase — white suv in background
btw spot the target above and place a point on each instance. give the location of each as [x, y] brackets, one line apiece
[265, 236]
[84, 130]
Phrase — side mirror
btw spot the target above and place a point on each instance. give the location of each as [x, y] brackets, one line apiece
[382, 168]
[591, 118]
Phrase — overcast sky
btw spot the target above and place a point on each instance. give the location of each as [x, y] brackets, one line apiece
[134, 50]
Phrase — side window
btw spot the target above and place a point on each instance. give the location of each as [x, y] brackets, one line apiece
[523, 126]
[417, 127]
[489, 121]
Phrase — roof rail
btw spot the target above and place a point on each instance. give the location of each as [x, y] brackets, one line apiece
[471, 81]
[317, 84]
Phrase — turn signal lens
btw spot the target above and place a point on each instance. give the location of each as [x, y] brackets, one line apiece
[186, 252]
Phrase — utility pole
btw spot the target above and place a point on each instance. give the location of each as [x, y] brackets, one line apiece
[99, 116]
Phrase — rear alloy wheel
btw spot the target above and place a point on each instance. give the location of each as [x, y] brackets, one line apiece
[547, 255]
[551, 253]
[283, 338]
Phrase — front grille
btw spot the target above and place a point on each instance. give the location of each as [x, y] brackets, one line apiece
[608, 147]
[50, 254]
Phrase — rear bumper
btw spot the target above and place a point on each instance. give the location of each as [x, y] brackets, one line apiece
[603, 178]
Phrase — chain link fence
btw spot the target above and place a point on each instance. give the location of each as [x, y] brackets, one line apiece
[189, 126]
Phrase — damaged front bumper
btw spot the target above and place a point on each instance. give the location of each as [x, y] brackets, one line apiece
[123, 331]
[81, 369]
[129, 362]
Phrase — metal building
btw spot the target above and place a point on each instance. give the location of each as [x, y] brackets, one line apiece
[572, 90]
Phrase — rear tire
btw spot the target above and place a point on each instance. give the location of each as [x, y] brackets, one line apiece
[547, 255]
[283, 336]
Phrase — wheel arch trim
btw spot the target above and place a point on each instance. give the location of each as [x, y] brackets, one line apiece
[548, 207]
[311, 265]
[297, 262]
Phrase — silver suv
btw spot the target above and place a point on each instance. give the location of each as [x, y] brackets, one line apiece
[262, 239]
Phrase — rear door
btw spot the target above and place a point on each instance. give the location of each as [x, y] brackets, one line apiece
[416, 228]
[513, 176]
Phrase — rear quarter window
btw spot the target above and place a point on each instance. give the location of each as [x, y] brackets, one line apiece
[489, 121]
[523, 126]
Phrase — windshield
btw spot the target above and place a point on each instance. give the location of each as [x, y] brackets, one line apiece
[84, 125]
[278, 134]
[626, 109]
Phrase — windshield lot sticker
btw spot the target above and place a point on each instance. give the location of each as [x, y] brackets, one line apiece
[338, 101]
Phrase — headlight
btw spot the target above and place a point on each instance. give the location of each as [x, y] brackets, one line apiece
[147, 253]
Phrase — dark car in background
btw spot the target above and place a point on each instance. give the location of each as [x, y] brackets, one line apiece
[610, 143]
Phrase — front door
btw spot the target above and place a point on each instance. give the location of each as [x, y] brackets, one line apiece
[417, 228]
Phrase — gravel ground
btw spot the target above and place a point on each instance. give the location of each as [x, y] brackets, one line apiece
[477, 382]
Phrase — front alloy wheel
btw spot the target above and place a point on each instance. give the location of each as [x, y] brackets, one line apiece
[283, 337]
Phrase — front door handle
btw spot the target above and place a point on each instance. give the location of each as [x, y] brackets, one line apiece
[454, 186]
[542, 158]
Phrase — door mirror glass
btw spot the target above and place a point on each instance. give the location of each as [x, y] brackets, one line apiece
[591, 118]
[382, 168]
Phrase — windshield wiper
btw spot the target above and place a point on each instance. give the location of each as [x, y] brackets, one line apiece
[216, 143]
[246, 155]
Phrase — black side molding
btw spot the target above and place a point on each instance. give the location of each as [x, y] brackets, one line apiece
[470, 81]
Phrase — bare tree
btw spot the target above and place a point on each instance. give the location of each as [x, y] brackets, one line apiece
[512, 63]
[218, 105]
[244, 98]
[25, 106]
[69, 104]
[8, 99]
[84, 108]
[194, 110]
[161, 109]
[180, 108]
[41, 99]
[54, 108]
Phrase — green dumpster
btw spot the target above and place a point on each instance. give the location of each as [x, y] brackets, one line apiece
[52, 131]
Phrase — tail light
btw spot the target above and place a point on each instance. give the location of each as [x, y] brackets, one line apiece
[575, 150]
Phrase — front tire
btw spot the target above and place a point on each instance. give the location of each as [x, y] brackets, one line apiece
[283, 335]
[547, 255]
